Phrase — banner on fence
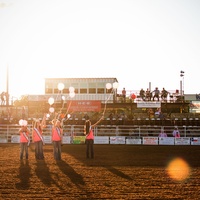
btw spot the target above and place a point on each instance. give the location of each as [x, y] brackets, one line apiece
[78, 139]
[182, 141]
[47, 139]
[150, 140]
[148, 104]
[101, 140]
[131, 140]
[117, 140]
[3, 140]
[66, 140]
[166, 140]
[15, 139]
[195, 141]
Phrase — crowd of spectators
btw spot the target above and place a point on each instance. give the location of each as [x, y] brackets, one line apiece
[155, 95]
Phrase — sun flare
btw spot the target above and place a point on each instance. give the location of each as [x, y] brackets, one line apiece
[178, 169]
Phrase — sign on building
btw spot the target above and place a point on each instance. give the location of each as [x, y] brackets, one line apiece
[85, 106]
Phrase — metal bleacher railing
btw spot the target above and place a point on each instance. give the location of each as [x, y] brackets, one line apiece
[135, 131]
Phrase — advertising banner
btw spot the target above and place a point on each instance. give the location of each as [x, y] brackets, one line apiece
[195, 141]
[79, 140]
[195, 106]
[3, 140]
[131, 140]
[85, 106]
[15, 139]
[117, 140]
[148, 104]
[66, 140]
[166, 140]
[47, 139]
[101, 140]
[150, 140]
[182, 141]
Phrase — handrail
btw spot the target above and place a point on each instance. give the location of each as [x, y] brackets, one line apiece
[7, 131]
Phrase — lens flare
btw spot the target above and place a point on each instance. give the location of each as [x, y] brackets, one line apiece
[178, 169]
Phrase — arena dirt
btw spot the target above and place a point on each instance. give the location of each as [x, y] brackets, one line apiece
[116, 172]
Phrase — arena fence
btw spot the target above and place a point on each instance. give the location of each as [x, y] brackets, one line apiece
[112, 134]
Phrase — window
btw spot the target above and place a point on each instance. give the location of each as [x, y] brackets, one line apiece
[83, 90]
[92, 90]
[100, 90]
[49, 91]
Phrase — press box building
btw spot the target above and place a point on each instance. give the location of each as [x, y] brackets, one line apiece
[85, 88]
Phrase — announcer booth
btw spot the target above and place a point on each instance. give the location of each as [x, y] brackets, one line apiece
[85, 88]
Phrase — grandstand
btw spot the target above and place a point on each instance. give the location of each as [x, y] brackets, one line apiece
[121, 118]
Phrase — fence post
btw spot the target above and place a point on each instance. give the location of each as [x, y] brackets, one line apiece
[117, 130]
[185, 131]
[139, 130]
[7, 132]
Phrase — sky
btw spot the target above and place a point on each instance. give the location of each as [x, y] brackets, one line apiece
[136, 41]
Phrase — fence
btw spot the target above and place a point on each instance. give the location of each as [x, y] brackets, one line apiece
[9, 133]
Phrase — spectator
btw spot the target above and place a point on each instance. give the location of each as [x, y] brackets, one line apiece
[150, 113]
[157, 113]
[164, 94]
[176, 133]
[156, 93]
[124, 94]
[162, 134]
[148, 95]
[142, 94]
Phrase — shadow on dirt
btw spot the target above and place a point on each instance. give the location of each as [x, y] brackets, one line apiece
[24, 175]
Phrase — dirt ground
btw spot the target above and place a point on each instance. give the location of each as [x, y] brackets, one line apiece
[116, 172]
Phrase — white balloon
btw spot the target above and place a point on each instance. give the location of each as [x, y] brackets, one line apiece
[71, 89]
[51, 109]
[51, 100]
[61, 86]
[108, 86]
[72, 94]
[63, 98]
[115, 85]
[21, 121]
[68, 116]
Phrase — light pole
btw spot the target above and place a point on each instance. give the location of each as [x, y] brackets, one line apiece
[182, 73]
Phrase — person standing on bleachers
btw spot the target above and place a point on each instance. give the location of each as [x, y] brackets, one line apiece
[142, 94]
[124, 95]
[148, 95]
[162, 134]
[156, 93]
[176, 133]
[164, 94]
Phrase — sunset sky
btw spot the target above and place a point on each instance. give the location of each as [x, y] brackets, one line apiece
[136, 41]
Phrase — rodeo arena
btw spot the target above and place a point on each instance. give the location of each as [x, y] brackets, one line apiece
[128, 117]
[146, 142]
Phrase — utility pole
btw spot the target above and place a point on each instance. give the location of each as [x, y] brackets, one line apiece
[7, 87]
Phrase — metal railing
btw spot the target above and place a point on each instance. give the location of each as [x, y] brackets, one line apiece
[7, 131]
